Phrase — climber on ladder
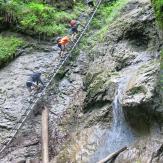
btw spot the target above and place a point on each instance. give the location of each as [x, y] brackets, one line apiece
[62, 43]
[74, 28]
[33, 81]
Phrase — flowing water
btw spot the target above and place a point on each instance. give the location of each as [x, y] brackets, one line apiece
[120, 134]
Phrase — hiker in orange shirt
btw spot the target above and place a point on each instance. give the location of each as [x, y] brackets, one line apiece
[62, 43]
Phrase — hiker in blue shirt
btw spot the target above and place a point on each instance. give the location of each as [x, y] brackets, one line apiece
[33, 82]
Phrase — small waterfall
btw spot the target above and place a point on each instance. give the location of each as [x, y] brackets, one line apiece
[120, 134]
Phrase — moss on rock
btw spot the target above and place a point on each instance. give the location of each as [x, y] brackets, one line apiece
[8, 48]
[136, 90]
[99, 83]
[100, 90]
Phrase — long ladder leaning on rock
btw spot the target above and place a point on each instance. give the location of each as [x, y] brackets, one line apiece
[29, 110]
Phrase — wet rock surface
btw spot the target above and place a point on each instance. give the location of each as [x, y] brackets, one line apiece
[129, 54]
[148, 149]
[61, 100]
[141, 100]
[15, 98]
[89, 106]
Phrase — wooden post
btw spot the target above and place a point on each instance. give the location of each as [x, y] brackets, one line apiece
[45, 155]
[112, 155]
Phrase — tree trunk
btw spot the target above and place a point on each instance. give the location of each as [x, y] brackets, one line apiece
[45, 155]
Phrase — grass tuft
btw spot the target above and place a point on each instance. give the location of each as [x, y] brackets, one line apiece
[105, 15]
[8, 48]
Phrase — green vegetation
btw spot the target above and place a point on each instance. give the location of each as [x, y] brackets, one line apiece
[136, 90]
[8, 48]
[34, 17]
[101, 22]
[158, 7]
[161, 59]
[105, 16]
[161, 67]
[96, 83]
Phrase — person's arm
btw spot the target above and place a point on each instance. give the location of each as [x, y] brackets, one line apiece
[34, 84]
[41, 82]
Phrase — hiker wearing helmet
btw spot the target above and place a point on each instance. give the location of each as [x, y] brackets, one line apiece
[33, 82]
[62, 43]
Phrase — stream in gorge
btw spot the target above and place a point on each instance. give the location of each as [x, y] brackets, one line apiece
[120, 134]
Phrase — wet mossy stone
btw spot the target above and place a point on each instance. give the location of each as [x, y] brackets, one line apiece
[100, 90]
[97, 82]
[136, 90]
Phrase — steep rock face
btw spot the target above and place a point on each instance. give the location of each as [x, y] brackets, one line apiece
[129, 54]
[146, 150]
[100, 90]
[141, 100]
[131, 45]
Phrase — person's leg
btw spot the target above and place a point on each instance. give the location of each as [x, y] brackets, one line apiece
[61, 54]
[29, 87]
[63, 49]
[72, 36]
[71, 33]
[60, 47]
[36, 88]
[75, 33]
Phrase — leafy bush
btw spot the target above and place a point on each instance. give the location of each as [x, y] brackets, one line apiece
[96, 23]
[103, 18]
[161, 59]
[50, 30]
[108, 12]
[158, 7]
[161, 67]
[36, 16]
[8, 48]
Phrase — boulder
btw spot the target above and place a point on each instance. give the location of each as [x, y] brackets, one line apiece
[140, 102]
[100, 90]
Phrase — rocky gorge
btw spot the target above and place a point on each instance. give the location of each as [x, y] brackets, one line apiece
[122, 102]
[107, 99]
